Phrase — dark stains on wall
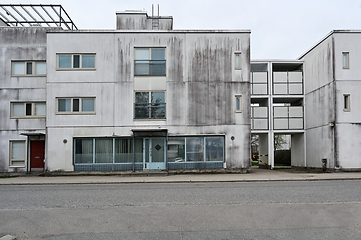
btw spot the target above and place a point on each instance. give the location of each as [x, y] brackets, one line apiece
[124, 65]
[175, 59]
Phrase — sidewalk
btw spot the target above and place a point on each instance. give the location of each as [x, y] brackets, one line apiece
[257, 175]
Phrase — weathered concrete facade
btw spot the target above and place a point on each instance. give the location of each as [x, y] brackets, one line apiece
[333, 79]
[19, 44]
[200, 86]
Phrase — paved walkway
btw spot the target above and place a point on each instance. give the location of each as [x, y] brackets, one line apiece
[257, 175]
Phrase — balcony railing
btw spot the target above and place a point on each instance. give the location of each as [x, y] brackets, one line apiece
[287, 83]
[149, 67]
[288, 117]
[259, 118]
[150, 111]
[259, 83]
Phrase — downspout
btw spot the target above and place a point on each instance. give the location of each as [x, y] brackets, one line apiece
[334, 128]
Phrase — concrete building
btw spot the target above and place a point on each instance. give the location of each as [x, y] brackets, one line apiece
[147, 97]
[141, 97]
[333, 118]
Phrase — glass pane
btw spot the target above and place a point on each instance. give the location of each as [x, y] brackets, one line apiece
[28, 109]
[18, 109]
[64, 105]
[17, 150]
[142, 54]
[40, 68]
[76, 61]
[214, 149]
[295, 77]
[280, 123]
[176, 147]
[259, 124]
[64, 61]
[259, 89]
[259, 77]
[280, 88]
[296, 111]
[88, 61]
[123, 151]
[157, 68]
[295, 88]
[158, 105]
[18, 68]
[83, 151]
[158, 149]
[158, 54]
[260, 112]
[141, 106]
[29, 68]
[87, 104]
[296, 123]
[280, 77]
[238, 62]
[40, 109]
[76, 105]
[103, 150]
[280, 112]
[142, 97]
[195, 149]
[238, 103]
[141, 67]
[138, 149]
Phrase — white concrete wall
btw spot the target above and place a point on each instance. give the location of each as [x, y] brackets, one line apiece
[297, 150]
[319, 104]
[28, 44]
[200, 85]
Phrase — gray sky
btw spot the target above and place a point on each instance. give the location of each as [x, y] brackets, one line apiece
[281, 29]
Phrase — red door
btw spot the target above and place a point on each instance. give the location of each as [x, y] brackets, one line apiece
[37, 154]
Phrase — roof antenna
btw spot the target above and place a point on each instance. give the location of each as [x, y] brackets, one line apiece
[158, 10]
[152, 10]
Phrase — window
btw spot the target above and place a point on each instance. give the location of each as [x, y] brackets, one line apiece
[28, 68]
[238, 61]
[149, 62]
[345, 60]
[27, 109]
[238, 103]
[149, 105]
[17, 154]
[75, 105]
[346, 103]
[76, 61]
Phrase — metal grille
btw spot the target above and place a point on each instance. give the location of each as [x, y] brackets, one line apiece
[35, 15]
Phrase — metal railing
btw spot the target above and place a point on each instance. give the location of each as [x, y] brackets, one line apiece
[149, 67]
[150, 111]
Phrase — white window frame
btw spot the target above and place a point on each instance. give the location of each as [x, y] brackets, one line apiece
[345, 60]
[33, 110]
[238, 61]
[150, 102]
[81, 112]
[25, 74]
[11, 159]
[346, 102]
[238, 102]
[81, 68]
[149, 58]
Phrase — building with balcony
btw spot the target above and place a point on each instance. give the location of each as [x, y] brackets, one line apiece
[141, 97]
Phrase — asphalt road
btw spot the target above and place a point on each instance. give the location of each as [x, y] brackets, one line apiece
[258, 210]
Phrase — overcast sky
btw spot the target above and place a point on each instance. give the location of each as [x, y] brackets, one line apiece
[281, 29]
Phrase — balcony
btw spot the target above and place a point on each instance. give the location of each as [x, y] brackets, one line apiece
[288, 117]
[259, 118]
[259, 83]
[288, 83]
[149, 68]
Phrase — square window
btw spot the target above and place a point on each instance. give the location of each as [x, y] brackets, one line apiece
[17, 153]
[40, 68]
[64, 105]
[149, 105]
[18, 68]
[88, 61]
[87, 105]
[17, 109]
[149, 62]
[40, 109]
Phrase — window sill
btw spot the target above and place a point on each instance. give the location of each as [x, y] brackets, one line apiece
[37, 75]
[27, 117]
[76, 69]
[16, 166]
[75, 113]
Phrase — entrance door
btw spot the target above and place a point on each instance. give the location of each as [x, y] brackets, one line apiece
[154, 153]
[37, 155]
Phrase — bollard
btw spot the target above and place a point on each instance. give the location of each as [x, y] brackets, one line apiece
[324, 164]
